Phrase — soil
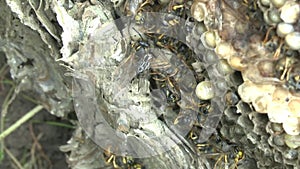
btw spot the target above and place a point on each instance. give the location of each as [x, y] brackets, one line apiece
[21, 142]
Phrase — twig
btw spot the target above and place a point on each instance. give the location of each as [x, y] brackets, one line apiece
[3, 72]
[14, 159]
[54, 123]
[28, 98]
[22, 120]
[8, 99]
[37, 144]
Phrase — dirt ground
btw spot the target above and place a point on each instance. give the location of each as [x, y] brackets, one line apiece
[36, 143]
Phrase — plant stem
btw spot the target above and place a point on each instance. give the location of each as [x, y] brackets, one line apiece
[22, 120]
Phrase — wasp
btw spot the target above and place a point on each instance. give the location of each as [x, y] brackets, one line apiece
[140, 44]
[110, 158]
[293, 77]
[119, 162]
[222, 153]
[275, 43]
[177, 9]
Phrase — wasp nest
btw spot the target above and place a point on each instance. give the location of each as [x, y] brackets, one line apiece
[269, 64]
[267, 56]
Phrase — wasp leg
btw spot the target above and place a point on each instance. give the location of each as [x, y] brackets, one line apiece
[267, 35]
[278, 50]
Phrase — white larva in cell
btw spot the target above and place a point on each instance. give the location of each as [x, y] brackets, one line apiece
[200, 29]
[224, 50]
[198, 11]
[278, 3]
[205, 90]
[294, 107]
[209, 39]
[292, 126]
[293, 40]
[265, 2]
[210, 57]
[274, 16]
[292, 141]
[290, 12]
[224, 68]
[283, 29]
[236, 62]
